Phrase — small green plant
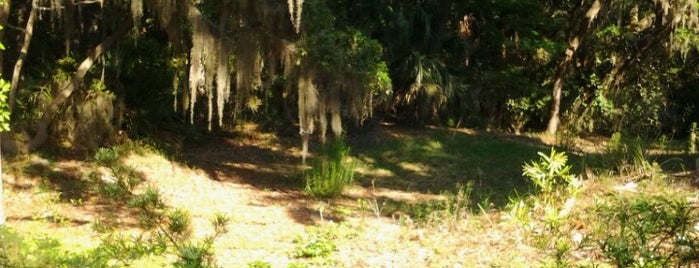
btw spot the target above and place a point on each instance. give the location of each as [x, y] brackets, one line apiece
[649, 232]
[545, 212]
[551, 174]
[559, 260]
[629, 157]
[107, 156]
[663, 143]
[318, 242]
[315, 246]
[164, 228]
[331, 171]
[16, 250]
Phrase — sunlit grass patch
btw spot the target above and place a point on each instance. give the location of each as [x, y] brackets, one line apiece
[441, 159]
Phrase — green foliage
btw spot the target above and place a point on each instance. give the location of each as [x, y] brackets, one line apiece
[165, 229]
[107, 156]
[629, 157]
[346, 57]
[126, 250]
[4, 90]
[318, 242]
[649, 232]
[551, 173]
[195, 255]
[316, 245]
[331, 171]
[122, 179]
[43, 251]
[547, 211]
[4, 106]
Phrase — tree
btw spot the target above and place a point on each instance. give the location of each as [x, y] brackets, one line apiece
[28, 33]
[4, 126]
[626, 60]
[573, 43]
[69, 86]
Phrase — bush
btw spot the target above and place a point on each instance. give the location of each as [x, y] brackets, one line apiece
[165, 229]
[545, 213]
[551, 173]
[650, 232]
[42, 251]
[331, 171]
[629, 157]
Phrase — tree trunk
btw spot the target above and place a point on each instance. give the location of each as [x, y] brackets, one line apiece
[573, 44]
[67, 89]
[28, 32]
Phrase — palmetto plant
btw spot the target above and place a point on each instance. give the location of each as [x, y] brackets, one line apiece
[428, 85]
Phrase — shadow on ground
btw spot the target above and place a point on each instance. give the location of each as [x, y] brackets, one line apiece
[426, 161]
[62, 191]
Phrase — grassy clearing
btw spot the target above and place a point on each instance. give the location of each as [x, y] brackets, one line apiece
[433, 161]
[430, 198]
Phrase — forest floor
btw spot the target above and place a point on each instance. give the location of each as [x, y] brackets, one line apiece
[255, 178]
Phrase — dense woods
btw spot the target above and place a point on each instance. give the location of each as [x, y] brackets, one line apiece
[444, 100]
[588, 66]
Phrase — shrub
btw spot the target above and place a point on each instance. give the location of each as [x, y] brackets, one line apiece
[551, 173]
[545, 213]
[315, 246]
[331, 171]
[650, 232]
[42, 251]
[165, 229]
[629, 157]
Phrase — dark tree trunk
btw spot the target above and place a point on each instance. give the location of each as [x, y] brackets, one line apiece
[573, 44]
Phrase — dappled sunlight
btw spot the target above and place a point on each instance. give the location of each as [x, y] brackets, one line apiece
[400, 213]
[392, 194]
[268, 168]
[374, 172]
[419, 169]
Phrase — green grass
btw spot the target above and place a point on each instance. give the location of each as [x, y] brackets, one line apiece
[331, 170]
[464, 219]
[440, 160]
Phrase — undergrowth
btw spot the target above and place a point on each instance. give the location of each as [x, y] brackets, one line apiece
[649, 232]
[165, 237]
[331, 171]
[570, 225]
[166, 230]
